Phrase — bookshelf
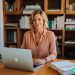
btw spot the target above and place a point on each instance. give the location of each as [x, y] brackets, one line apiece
[69, 31]
[60, 17]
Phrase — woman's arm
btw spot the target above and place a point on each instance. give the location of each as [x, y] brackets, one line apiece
[52, 48]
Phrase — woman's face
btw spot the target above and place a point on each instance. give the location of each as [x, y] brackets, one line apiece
[38, 21]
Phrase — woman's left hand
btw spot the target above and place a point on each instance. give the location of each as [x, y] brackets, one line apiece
[39, 61]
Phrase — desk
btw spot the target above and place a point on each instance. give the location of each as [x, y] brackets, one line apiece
[45, 70]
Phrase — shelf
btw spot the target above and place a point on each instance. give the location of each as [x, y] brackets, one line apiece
[70, 13]
[15, 13]
[70, 30]
[10, 28]
[25, 29]
[56, 29]
[12, 13]
[11, 43]
[54, 12]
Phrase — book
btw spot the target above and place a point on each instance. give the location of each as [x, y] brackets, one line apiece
[69, 42]
[11, 24]
[32, 7]
[53, 10]
[64, 67]
[11, 36]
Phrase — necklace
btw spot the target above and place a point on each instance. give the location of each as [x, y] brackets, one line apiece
[37, 38]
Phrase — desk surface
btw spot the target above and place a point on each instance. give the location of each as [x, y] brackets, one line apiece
[45, 70]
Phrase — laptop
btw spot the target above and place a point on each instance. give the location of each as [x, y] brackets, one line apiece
[18, 58]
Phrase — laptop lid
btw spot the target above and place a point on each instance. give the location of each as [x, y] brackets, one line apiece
[17, 58]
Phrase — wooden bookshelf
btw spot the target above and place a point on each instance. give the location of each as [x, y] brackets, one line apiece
[56, 10]
[69, 31]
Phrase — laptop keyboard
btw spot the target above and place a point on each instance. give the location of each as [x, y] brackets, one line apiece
[35, 65]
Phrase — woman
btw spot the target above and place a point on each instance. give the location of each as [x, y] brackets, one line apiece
[39, 39]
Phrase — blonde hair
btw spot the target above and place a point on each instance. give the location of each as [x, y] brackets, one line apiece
[43, 16]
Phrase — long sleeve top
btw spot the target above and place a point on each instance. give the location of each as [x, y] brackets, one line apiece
[46, 47]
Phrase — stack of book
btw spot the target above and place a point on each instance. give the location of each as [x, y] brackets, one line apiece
[64, 67]
[30, 8]
[57, 23]
[24, 22]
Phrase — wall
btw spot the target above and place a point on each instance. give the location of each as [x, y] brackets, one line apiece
[1, 25]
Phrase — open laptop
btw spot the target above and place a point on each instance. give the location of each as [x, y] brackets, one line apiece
[18, 58]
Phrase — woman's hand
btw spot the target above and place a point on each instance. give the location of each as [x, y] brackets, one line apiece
[39, 61]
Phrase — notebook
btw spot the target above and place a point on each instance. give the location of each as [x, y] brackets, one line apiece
[64, 67]
[18, 58]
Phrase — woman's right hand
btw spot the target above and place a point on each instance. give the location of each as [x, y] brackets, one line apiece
[39, 61]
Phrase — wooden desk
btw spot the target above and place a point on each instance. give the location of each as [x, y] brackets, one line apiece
[45, 70]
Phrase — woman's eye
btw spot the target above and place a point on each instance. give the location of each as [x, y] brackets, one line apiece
[39, 19]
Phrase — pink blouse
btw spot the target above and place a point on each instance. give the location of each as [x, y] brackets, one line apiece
[46, 47]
